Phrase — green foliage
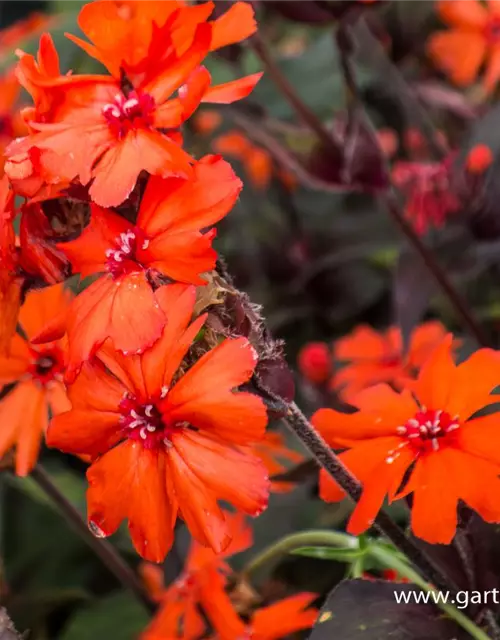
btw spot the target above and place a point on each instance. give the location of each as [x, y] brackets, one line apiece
[118, 616]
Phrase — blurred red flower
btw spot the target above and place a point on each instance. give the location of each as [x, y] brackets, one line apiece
[373, 357]
[472, 41]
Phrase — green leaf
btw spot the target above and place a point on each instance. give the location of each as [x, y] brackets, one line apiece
[330, 553]
[315, 76]
[117, 617]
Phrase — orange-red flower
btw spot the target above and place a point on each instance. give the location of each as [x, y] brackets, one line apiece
[277, 620]
[165, 446]
[203, 578]
[373, 357]
[429, 434]
[164, 243]
[257, 162]
[142, 29]
[472, 41]
[38, 372]
[108, 129]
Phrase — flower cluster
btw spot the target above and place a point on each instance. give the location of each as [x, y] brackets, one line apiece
[153, 397]
[231, 609]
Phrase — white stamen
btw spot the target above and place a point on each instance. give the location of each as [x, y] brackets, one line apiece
[150, 428]
[145, 244]
[135, 424]
[134, 414]
[149, 410]
[435, 444]
[401, 430]
[143, 433]
[131, 104]
[164, 391]
[117, 256]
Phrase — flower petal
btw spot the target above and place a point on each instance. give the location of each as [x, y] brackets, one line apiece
[473, 382]
[141, 150]
[160, 363]
[492, 73]
[110, 481]
[57, 397]
[176, 73]
[24, 417]
[436, 379]
[216, 465]
[151, 514]
[284, 617]
[435, 498]
[198, 504]
[232, 91]
[124, 310]
[183, 256]
[88, 252]
[203, 396]
[16, 363]
[362, 460]
[458, 53]
[175, 205]
[96, 390]
[85, 431]
[468, 14]
[481, 437]
[41, 306]
[382, 411]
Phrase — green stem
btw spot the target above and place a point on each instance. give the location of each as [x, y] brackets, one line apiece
[296, 540]
[384, 556]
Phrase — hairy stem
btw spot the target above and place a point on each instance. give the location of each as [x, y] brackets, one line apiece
[101, 547]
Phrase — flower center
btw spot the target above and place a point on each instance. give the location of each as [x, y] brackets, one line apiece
[427, 427]
[122, 257]
[390, 360]
[47, 365]
[132, 112]
[145, 422]
[492, 30]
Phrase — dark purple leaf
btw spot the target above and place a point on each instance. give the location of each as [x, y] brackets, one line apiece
[367, 610]
[413, 287]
